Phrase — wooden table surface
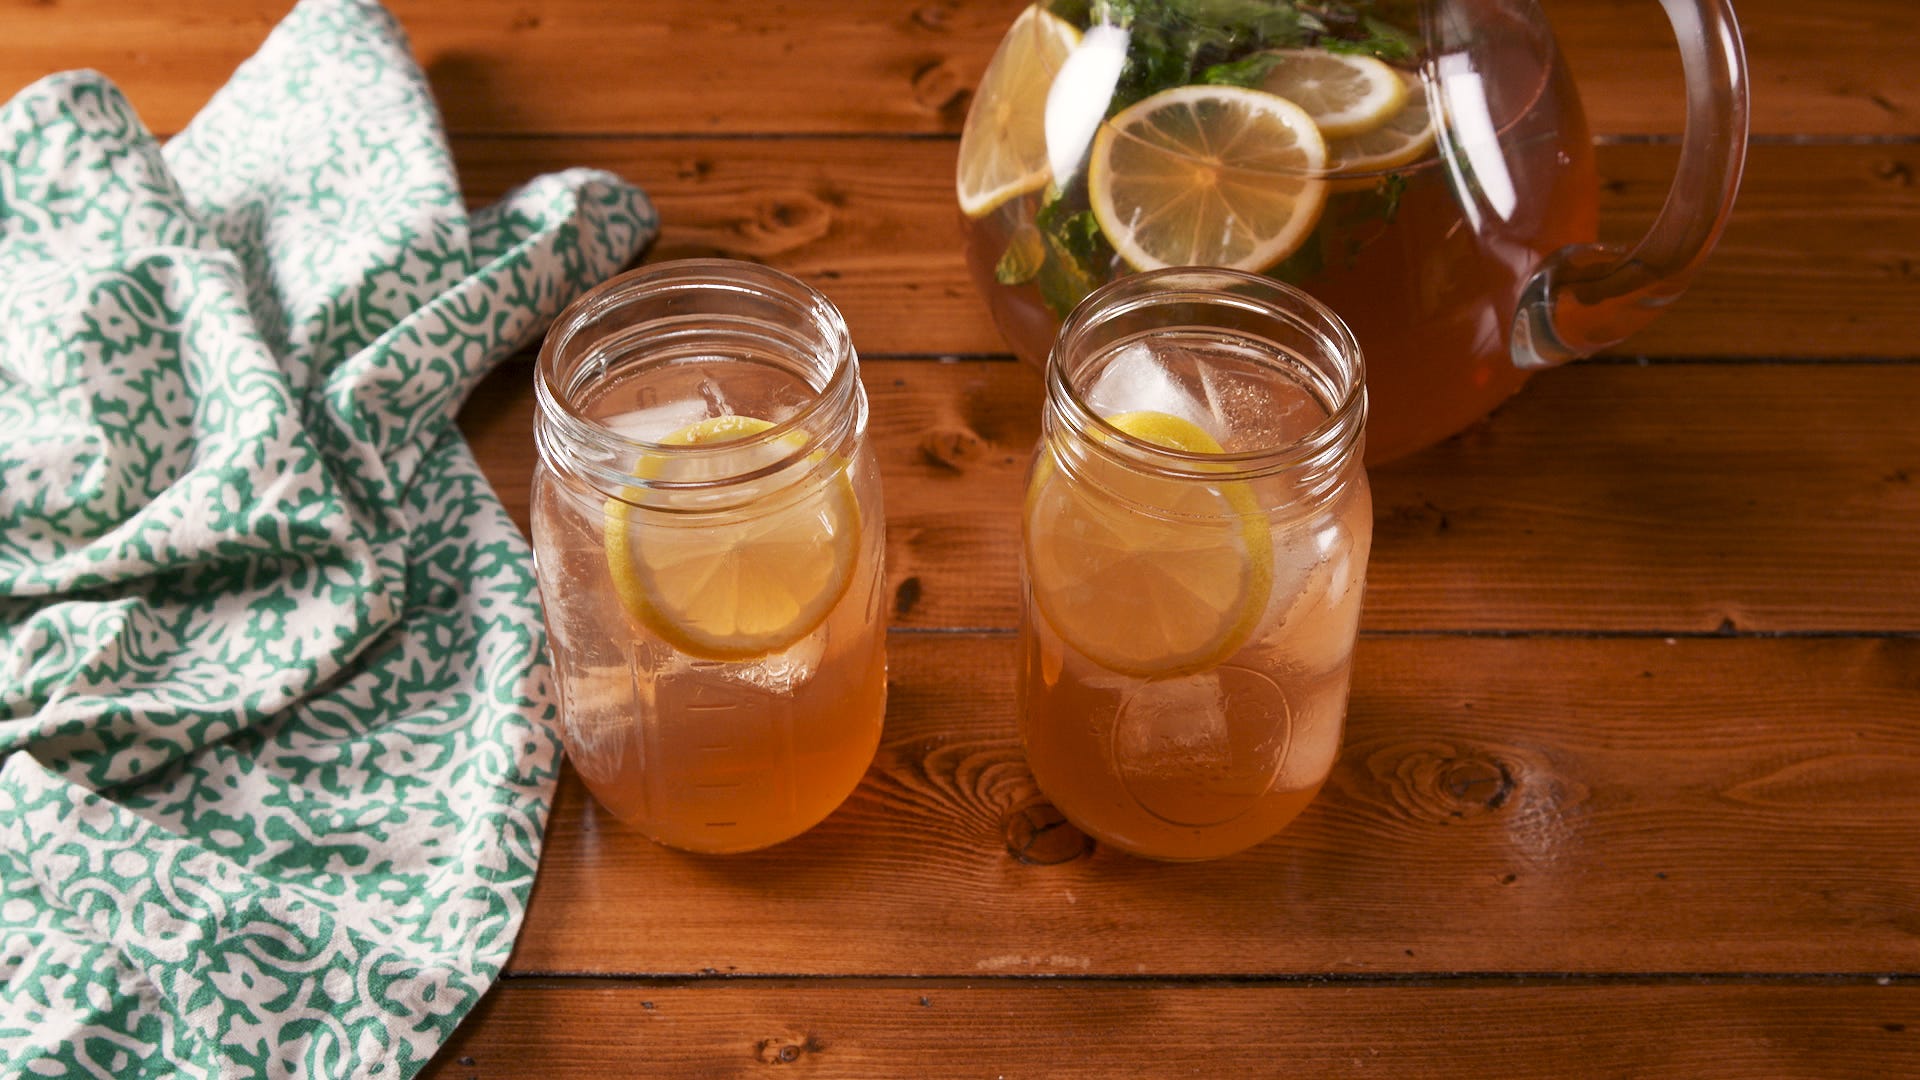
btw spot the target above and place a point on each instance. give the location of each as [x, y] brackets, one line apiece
[1632, 776]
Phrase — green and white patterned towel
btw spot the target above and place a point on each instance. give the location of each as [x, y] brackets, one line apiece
[275, 722]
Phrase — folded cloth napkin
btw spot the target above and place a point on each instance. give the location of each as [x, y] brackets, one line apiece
[275, 722]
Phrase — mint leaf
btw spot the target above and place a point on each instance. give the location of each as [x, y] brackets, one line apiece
[1381, 40]
[1391, 188]
[1247, 71]
[1078, 257]
[1063, 281]
[1081, 236]
[1026, 250]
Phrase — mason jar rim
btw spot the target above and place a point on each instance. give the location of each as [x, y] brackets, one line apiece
[574, 441]
[1324, 449]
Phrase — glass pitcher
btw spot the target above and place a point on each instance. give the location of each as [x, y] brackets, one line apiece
[1423, 167]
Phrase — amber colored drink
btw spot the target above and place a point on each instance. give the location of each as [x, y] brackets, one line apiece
[712, 755]
[1424, 265]
[1203, 764]
[1206, 764]
[1193, 558]
[708, 535]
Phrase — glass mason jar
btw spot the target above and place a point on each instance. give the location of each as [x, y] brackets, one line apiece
[1194, 548]
[707, 533]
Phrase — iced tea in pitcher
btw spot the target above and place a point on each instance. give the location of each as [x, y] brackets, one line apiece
[1323, 144]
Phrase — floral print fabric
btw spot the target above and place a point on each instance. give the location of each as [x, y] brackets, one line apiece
[276, 743]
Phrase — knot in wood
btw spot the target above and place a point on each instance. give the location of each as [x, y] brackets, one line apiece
[950, 448]
[905, 596]
[937, 88]
[1039, 835]
[932, 16]
[1453, 784]
[1477, 783]
[787, 1050]
[1894, 172]
[786, 222]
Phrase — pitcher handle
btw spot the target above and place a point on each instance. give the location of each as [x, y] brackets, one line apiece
[1588, 296]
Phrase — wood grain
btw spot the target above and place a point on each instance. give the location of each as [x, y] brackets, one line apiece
[1566, 852]
[1081, 1030]
[1839, 67]
[1666, 498]
[1819, 260]
[740, 66]
[1500, 805]
[1728, 498]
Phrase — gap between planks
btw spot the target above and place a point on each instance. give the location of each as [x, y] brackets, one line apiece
[535, 980]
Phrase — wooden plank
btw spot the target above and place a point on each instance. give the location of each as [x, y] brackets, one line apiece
[1081, 1030]
[1840, 67]
[1604, 497]
[676, 66]
[1500, 805]
[1769, 497]
[1817, 262]
[870, 222]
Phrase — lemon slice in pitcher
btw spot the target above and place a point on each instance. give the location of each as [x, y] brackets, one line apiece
[1003, 149]
[736, 583]
[1345, 94]
[1148, 576]
[1406, 137]
[1207, 176]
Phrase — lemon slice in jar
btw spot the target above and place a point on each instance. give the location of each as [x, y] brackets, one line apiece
[1003, 149]
[1207, 176]
[1148, 576]
[736, 583]
[1345, 94]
